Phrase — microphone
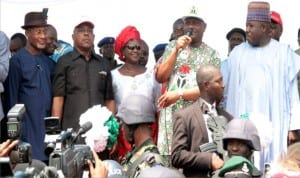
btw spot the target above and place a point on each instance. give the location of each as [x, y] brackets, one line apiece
[83, 129]
[189, 32]
[64, 135]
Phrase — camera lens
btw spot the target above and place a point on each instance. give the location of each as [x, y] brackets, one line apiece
[49, 148]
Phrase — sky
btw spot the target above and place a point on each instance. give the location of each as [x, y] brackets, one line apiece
[153, 18]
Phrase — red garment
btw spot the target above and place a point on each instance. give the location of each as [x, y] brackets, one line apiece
[122, 145]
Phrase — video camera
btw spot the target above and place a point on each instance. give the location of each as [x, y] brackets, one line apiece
[52, 126]
[69, 157]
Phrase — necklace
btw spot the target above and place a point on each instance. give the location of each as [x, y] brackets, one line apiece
[129, 69]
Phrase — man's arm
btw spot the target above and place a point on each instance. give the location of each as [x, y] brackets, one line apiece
[4, 56]
[109, 94]
[59, 88]
[294, 127]
[164, 70]
[57, 106]
[171, 97]
[111, 105]
[182, 156]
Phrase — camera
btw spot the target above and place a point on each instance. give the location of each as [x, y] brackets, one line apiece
[22, 152]
[52, 125]
[71, 159]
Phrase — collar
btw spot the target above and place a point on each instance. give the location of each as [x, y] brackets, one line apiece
[205, 106]
[76, 55]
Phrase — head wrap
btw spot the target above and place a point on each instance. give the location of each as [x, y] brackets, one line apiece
[128, 33]
[259, 11]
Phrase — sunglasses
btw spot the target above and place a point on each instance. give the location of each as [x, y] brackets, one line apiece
[133, 47]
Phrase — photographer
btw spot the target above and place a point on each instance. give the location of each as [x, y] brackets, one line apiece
[7, 146]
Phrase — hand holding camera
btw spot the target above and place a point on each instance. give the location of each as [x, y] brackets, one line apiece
[7, 146]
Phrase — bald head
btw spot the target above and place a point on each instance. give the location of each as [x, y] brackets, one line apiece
[210, 83]
[205, 74]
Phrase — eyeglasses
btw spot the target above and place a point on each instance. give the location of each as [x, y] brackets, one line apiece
[133, 47]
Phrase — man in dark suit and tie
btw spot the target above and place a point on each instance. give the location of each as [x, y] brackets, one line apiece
[198, 129]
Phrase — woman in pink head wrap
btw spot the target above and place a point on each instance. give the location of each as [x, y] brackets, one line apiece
[131, 78]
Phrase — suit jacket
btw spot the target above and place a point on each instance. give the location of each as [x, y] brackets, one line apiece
[189, 132]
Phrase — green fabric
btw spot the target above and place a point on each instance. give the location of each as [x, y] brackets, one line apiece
[113, 129]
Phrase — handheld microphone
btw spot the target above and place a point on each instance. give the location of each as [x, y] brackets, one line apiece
[189, 32]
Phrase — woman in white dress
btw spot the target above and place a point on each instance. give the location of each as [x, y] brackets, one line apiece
[131, 78]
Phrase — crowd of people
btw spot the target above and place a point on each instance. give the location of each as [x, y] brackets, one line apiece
[192, 115]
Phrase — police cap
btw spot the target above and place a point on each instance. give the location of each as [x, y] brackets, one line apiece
[106, 40]
[160, 47]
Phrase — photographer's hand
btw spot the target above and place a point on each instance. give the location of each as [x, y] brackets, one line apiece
[100, 169]
[7, 146]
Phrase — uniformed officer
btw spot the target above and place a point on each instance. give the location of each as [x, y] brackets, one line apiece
[107, 50]
[241, 139]
[136, 113]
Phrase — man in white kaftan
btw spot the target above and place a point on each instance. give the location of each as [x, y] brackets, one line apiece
[263, 80]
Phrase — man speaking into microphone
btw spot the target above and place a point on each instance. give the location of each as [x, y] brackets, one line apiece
[180, 62]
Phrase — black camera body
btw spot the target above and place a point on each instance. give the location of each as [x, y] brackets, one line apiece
[52, 125]
[72, 161]
[68, 157]
[22, 152]
[53, 129]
